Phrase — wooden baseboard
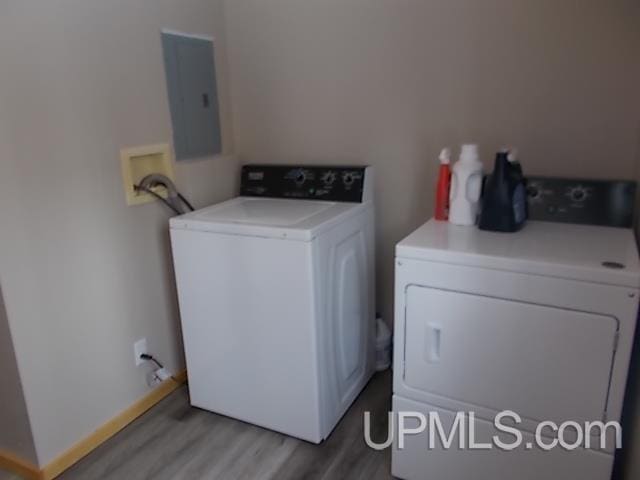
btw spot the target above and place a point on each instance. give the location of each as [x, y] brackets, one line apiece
[109, 429]
[98, 437]
[15, 464]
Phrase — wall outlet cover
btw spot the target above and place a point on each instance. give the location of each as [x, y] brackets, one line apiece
[157, 376]
[139, 348]
[163, 374]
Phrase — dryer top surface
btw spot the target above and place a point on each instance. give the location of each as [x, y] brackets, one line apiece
[597, 254]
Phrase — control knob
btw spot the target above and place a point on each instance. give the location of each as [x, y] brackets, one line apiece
[578, 193]
[348, 179]
[300, 178]
[533, 191]
[329, 177]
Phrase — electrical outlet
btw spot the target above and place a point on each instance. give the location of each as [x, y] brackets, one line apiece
[158, 376]
[163, 374]
[139, 348]
[152, 379]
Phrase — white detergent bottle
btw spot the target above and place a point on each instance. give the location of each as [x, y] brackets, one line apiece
[466, 184]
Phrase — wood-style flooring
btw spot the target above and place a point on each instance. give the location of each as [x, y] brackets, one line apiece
[175, 441]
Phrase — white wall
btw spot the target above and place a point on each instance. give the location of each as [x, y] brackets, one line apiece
[389, 82]
[84, 275]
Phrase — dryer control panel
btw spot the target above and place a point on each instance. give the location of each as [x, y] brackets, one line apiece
[592, 202]
[330, 183]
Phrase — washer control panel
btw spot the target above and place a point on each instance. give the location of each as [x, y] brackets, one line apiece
[592, 202]
[336, 184]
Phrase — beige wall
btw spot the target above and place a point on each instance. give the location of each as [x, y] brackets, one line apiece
[385, 82]
[15, 429]
[84, 276]
[390, 82]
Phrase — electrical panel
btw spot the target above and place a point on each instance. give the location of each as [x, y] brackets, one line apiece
[193, 95]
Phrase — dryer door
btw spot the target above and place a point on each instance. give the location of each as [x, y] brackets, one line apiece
[544, 363]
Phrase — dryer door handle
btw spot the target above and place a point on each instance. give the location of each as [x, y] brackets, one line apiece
[433, 340]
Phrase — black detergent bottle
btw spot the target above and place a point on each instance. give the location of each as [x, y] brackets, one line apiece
[504, 204]
[516, 171]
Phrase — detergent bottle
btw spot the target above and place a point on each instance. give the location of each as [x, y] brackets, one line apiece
[444, 183]
[466, 185]
[504, 207]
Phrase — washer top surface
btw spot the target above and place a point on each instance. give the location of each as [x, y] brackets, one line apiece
[267, 217]
[265, 211]
[596, 254]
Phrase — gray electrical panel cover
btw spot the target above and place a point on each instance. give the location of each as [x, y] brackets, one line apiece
[193, 95]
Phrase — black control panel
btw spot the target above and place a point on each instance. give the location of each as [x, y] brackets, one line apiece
[336, 184]
[591, 202]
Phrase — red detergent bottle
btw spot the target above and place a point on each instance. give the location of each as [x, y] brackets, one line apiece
[444, 184]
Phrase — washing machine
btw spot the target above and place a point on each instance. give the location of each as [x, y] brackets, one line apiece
[276, 295]
[539, 323]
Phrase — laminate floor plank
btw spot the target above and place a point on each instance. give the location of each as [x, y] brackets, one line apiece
[174, 441]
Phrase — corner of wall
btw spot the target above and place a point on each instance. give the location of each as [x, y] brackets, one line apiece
[15, 427]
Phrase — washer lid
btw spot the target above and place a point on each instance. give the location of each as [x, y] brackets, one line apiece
[266, 217]
[582, 252]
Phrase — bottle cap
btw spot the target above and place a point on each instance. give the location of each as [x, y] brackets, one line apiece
[445, 156]
[469, 153]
